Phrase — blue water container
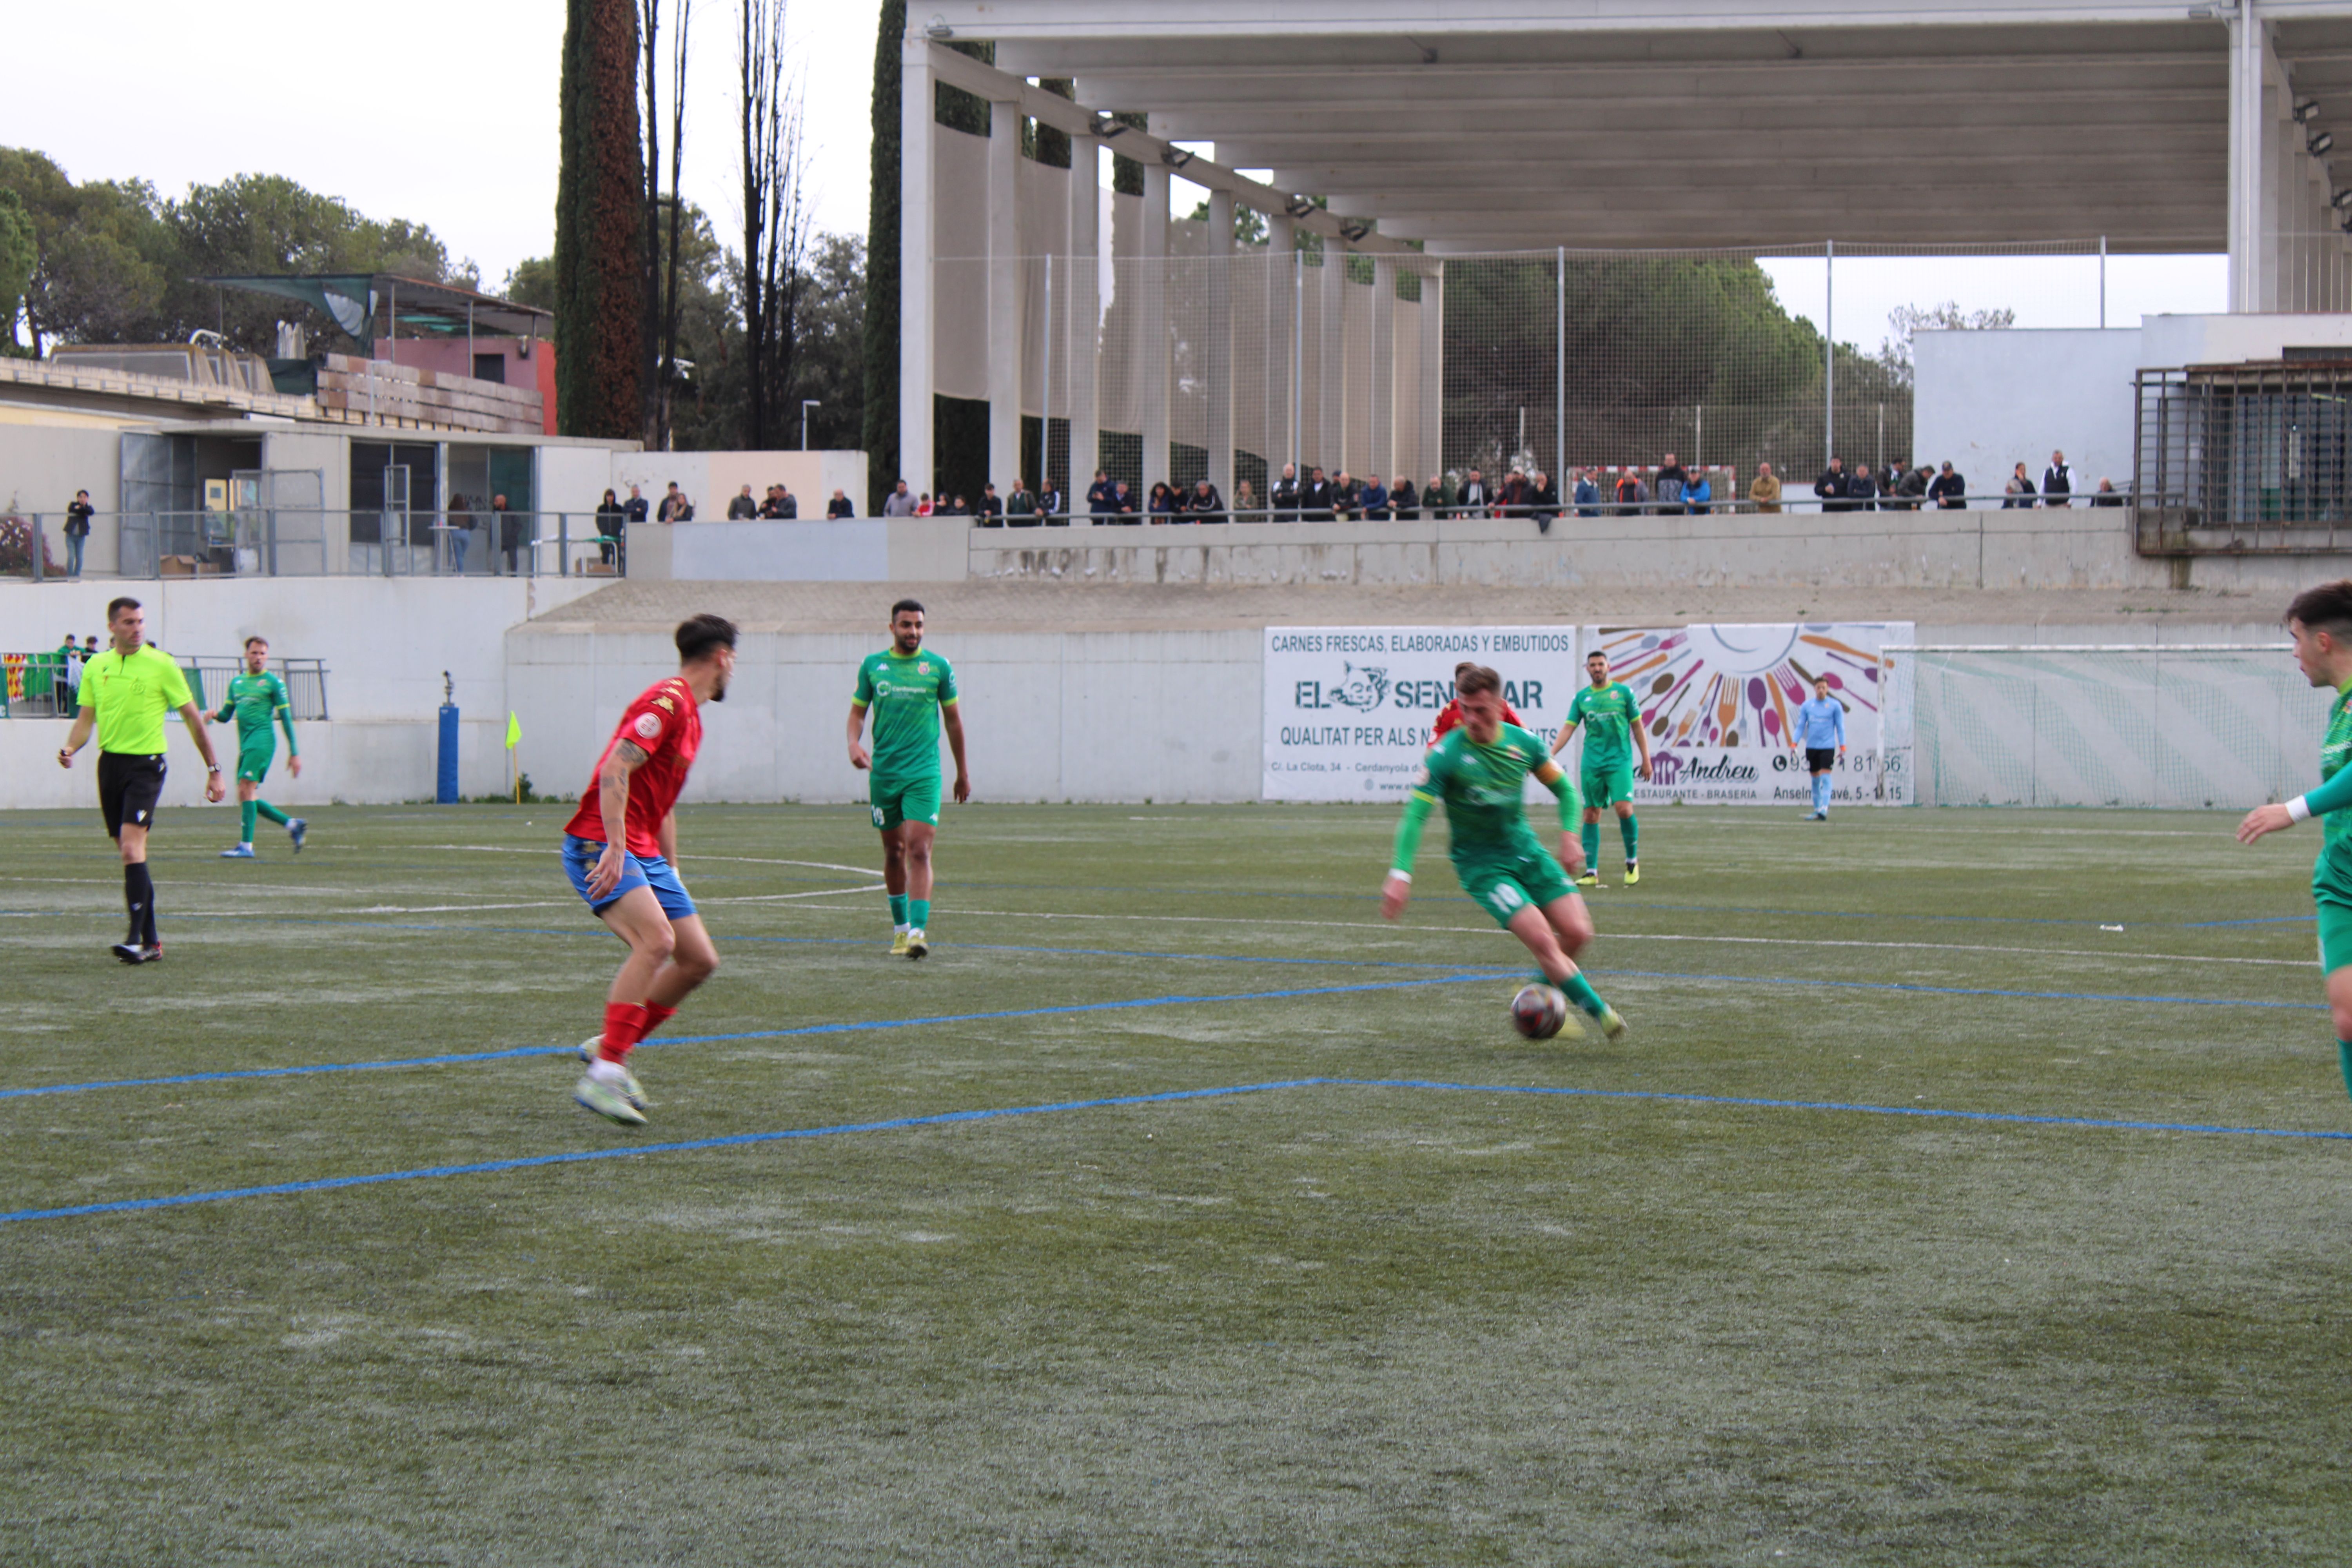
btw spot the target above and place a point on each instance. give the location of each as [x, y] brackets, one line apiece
[445, 792]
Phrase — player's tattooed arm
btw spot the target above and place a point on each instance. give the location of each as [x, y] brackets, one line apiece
[613, 806]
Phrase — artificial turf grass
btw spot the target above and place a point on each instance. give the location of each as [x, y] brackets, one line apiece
[966, 1342]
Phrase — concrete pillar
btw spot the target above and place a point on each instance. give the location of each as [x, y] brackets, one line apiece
[1217, 353]
[1281, 335]
[1331, 368]
[1430, 457]
[1380, 376]
[1083, 310]
[917, 234]
[1152, 328]
[2276, 188]
[1005, 297]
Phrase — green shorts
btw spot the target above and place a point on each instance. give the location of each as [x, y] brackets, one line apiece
[2335, 934]
[904, 800]
[1604, 786]
[253, 760]
[1503, 887]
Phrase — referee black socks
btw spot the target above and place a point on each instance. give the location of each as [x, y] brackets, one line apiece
[139, 895]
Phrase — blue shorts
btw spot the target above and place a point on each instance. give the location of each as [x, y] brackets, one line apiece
[580, 857]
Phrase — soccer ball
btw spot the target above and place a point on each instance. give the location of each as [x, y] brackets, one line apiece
[1538, 1011]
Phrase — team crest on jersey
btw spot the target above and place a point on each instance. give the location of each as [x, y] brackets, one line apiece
[648, 726]
[924, 667]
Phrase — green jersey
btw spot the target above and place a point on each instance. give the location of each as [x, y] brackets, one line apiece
[1608, 714]
[258, 702]
[905, 693]
[132, 697]
[1483, 788]
[2334, 752]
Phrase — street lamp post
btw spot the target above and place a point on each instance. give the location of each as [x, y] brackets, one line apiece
[807, 404]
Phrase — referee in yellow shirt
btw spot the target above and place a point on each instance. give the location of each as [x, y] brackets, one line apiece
[125, 693]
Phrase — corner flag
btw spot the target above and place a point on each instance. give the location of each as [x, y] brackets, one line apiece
[514, 731]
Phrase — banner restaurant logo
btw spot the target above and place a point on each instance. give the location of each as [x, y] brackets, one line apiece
[1671, 770]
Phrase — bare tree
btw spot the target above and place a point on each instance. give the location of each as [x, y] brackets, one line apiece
[661, 265]
[775, 220]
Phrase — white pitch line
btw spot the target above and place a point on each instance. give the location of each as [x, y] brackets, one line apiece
[564, 903]
[1637, 936]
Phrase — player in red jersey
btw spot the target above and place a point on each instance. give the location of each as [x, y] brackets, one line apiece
[1450, 716]
[630, 879]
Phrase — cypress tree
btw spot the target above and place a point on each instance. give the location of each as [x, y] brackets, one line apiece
[881, 434]
[599, 208]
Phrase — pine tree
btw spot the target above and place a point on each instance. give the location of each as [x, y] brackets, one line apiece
[599, 214]
[881, 434]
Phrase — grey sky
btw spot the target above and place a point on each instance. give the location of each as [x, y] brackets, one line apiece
[448, 116]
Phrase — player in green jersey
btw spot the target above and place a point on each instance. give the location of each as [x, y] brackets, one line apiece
[256, 699]
[913, 696]
[1480, 772]
[1612, 717]
[2320, 620]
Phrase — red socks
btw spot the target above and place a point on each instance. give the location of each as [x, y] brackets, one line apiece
[625, 1024]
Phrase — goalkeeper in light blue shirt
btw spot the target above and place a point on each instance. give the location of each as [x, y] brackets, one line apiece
[1821, 734]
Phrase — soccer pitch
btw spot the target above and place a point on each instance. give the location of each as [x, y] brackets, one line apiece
[1880, 1239]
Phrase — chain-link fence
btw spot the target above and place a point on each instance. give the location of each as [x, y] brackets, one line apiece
[1224, 368]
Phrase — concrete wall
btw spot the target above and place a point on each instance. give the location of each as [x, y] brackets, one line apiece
[855, 550]
[42, 465]
[711, 478]
[1987, 401]
[2170, 342]
[1040, 709]
[386, 642]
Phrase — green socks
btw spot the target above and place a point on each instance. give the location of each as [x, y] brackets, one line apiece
[918, 913]
[1630, 826]
[2343, 1060]
[245, 811]
[269, 811]
[899, 911]
[1592, 845]
[1579, 991]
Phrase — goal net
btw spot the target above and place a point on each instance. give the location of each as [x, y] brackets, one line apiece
[2191, 726]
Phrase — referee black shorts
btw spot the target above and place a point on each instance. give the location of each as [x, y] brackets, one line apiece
[1820, 759]
[128, 790]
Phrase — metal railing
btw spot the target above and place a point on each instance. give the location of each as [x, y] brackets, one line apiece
[42, 685]
[2244, 460]
[306, 541]
[1795, 501]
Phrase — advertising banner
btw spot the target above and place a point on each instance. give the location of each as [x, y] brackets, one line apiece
[1719, 702]
[1348, 709]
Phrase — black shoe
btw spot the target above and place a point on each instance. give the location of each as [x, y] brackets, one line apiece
[132, 953]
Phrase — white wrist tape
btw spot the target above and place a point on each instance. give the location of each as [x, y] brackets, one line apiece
[2298, 809]
[1401, 876]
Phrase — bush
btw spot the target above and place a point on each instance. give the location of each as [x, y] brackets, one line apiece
[17, 548]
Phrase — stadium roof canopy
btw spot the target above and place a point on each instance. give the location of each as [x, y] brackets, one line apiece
[353, 301]
[1496, 124]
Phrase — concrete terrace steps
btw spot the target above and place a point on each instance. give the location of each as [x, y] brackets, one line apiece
[2129, 615]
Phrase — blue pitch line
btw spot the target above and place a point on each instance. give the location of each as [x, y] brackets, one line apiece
[1965, 990]
[951, 1118]
[463, 1058]
[2267, 921]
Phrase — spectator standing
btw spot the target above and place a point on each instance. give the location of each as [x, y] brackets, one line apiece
[1375, 500]
[1473, 499]
[66, 677]
[1831, 486]
[1122, 504]
[1436, 497]
[1862, 490]
[634, 510]
[1102, 496]
[1698, 495]
[1315, 498]
[990, 510]
[2057, 482]
[1246, 505]
[1405, 501]
[2017, 494]
[675, 507]
[78, 512]
[1949, 490]
[1286, 495]
[1915, 487]
[1161, 505]
[1207, 505]
[1050, 511]
[1543, 501]
[1588, 494]
[788, 505]
[1666, 486]
[610, 520]
[507, 534]
[1632, 493]
[1020, 506]
[2107, 494]
[899, 503]
[742, 508]
[1764, 489]
[839, 506]
[461, 531]
[923, 504]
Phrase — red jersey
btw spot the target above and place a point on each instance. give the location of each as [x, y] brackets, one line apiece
[1451, 715]
[666, 723]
